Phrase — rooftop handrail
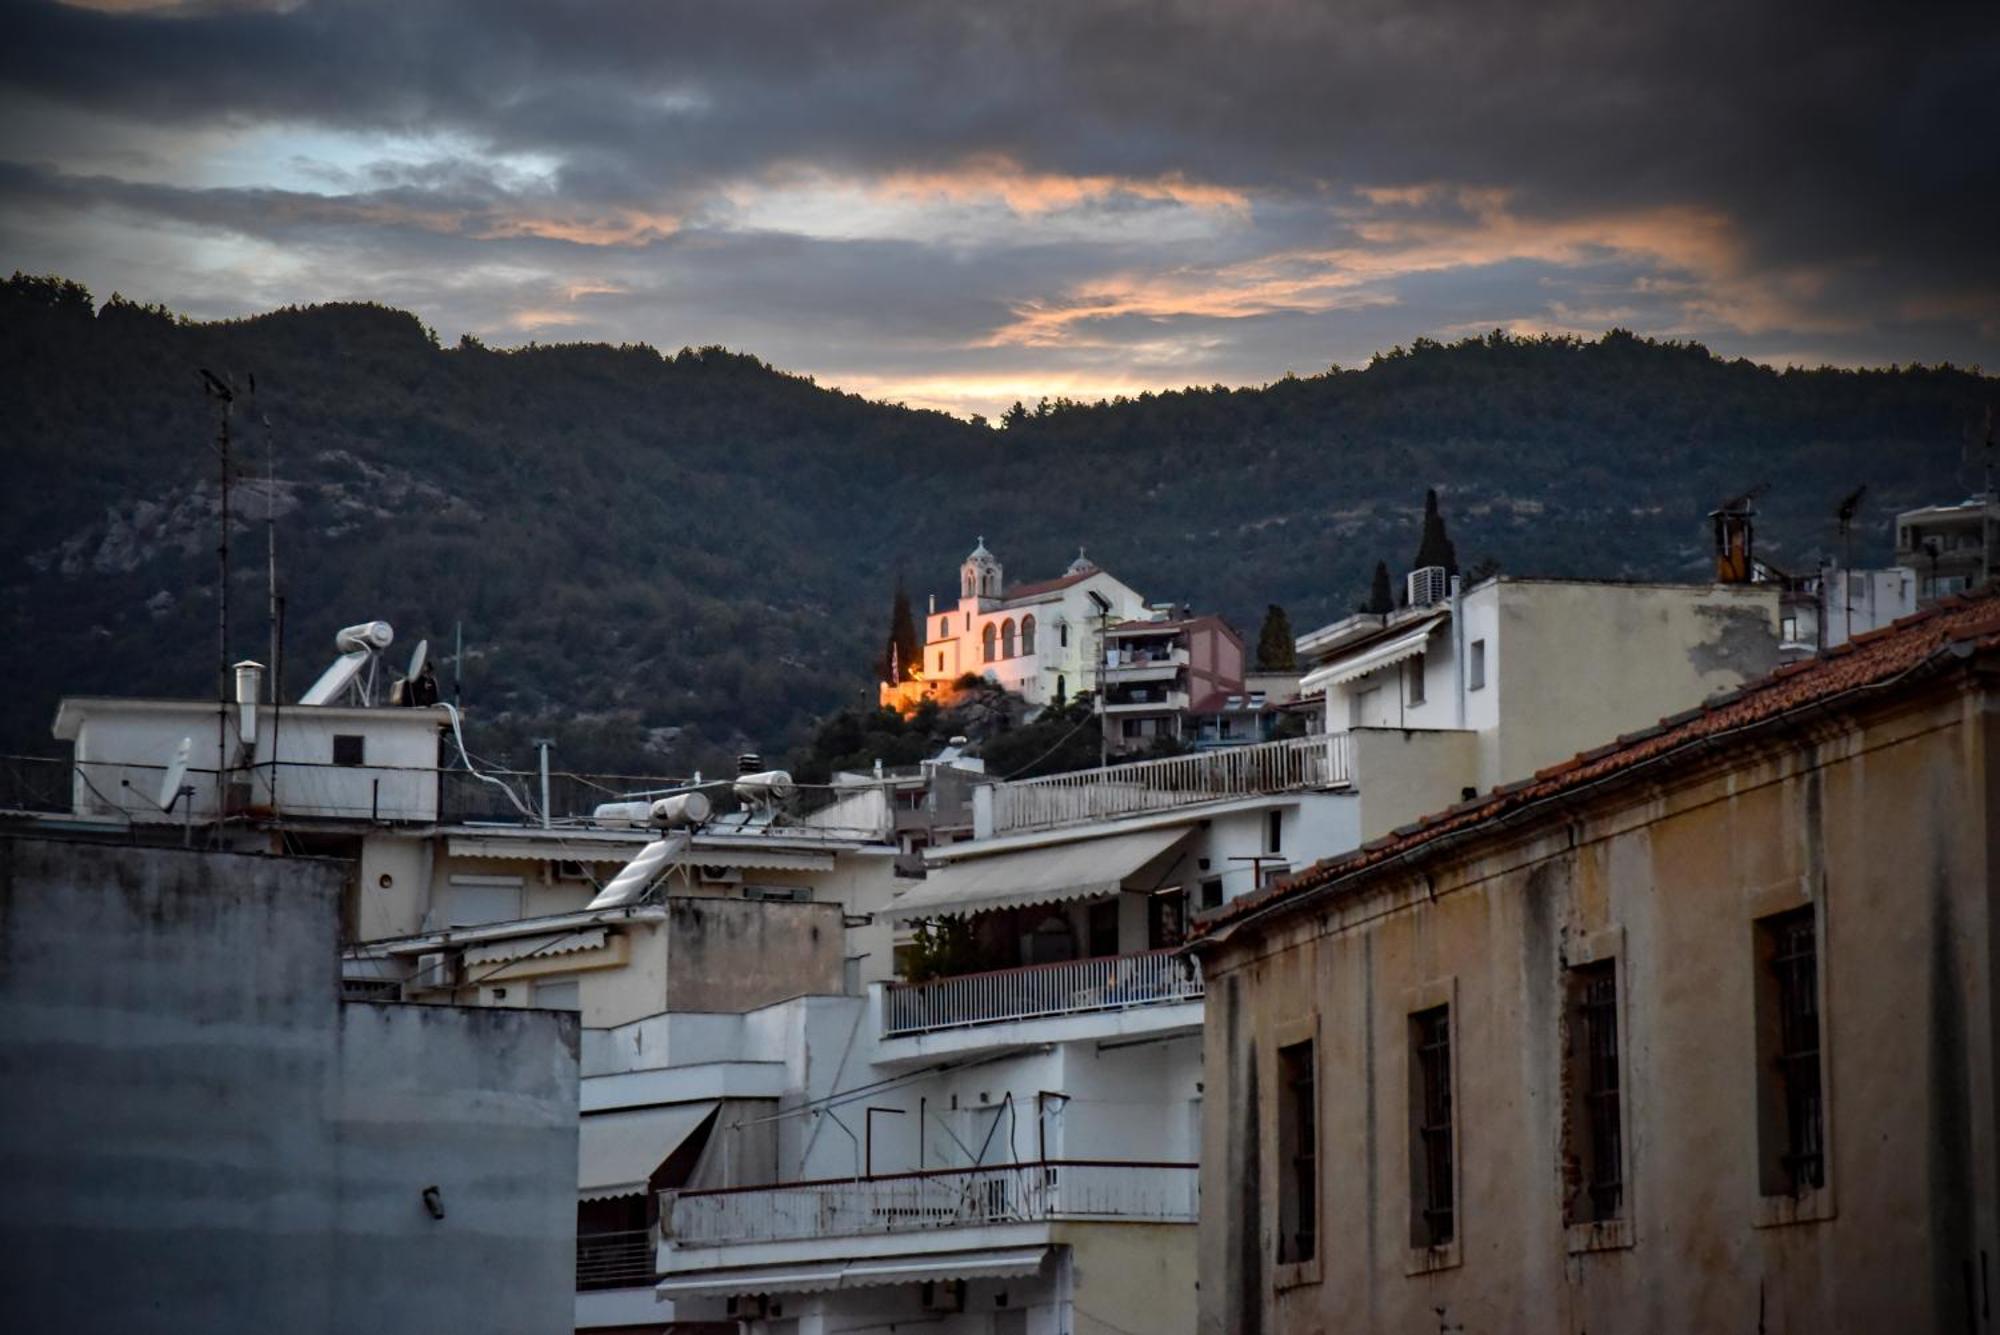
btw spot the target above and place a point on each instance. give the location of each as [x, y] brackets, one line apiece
[1035, 991]
[616, 1258]
[1084, 796]
[932, 1199]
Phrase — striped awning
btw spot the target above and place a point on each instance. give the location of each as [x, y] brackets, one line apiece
[617, 1153]
[1381, 654]
[1080, 869]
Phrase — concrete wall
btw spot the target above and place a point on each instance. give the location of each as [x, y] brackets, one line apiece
[1401, 775]
[737, 955]
[1886, 829]
[196, 1135]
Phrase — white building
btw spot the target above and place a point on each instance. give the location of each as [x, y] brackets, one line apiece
[1042, 640]
[1462, 690]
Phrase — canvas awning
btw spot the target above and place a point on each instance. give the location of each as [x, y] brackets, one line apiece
[617, 1153]
[507, 849]
[1404, 644]
[821, 1276]
[1082, 869]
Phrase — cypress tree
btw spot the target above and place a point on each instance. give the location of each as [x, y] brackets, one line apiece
[902, 654]
[1435, 549]
[1276, 645]
[1381, 600]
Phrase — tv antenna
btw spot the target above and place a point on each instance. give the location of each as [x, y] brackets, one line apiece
[225, 398]
[1850, 506]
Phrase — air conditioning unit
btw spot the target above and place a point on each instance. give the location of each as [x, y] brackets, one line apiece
[1428, 586]
[721, 875]
[944, 1296]
[436, 970]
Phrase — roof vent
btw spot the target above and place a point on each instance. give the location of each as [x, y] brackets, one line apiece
[749, 763]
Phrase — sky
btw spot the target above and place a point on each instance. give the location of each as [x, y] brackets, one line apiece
[960, 205]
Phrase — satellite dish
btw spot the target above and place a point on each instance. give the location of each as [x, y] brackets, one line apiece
[417, 657]
[177, 768]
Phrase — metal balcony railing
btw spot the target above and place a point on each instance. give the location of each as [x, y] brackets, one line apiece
[1084, 796]
[1112, 982]
[615, 1260]
[945, 1198]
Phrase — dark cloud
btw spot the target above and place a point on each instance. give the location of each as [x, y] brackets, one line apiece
[1783, 180]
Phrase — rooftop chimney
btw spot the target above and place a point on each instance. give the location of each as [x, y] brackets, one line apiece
[1734, 531]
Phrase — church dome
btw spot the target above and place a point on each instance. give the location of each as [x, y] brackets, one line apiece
[1083, 565]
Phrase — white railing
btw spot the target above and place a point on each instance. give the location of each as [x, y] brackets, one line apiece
[1296, 763]
[946, 1198]
[1111, 982]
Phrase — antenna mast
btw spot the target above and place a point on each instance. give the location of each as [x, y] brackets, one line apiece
[219, 390]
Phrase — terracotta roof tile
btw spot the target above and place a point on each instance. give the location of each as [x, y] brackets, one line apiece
[1957, 625]
[1041, 587]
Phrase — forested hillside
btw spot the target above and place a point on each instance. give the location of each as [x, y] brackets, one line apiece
[661, 559]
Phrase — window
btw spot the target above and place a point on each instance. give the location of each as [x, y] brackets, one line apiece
[1594, 1156]
[348, 748]
[1028, 634]
[1475, 671]
[1413, 677]
[944, 628]
[1007, 638]
[1788, 630]
[1103, 927]
[986, 642]
[1274, 831]
[1211, 894]
[557, 994]
[1433, 1218]
[1062, 633]
[1792, 1119]
[1298, 1181]
[940, 666]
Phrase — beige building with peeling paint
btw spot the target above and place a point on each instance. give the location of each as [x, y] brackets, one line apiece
[1695, 1032]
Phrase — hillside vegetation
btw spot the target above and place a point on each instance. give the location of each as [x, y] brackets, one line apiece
[663, 559]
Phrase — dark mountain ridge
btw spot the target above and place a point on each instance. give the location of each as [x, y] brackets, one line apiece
[662, 559]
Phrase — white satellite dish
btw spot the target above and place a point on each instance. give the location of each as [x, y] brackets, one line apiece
[630, 885]
[177, 768]
[417, 657]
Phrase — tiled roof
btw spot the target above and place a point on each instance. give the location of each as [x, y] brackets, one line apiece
[1036, 590]
[1955, 627]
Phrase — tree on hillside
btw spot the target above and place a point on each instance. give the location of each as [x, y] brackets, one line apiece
[1381, 599]
[1276, 645]
[901, 654]
[1435, 549]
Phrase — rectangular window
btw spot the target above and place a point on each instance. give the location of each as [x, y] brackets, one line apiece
[1211, 893]
[348, 748]
[1274, 832]
[1595, 1130]
[1475, 671]
[1433, 1218]
[1414, 676]
[1104, 928]
[1792, 1113]
[1298, 1185]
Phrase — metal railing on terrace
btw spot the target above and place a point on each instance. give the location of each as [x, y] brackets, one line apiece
[1084, 796]
[1072, 987]
[616, 1260]
[943, 1198]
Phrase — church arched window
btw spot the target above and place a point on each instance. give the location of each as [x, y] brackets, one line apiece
[944, 628]
[1062, 633]
[986, 641]
[1028, 633]
[1007, 638]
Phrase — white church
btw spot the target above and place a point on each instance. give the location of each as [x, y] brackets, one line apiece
[1043, 641]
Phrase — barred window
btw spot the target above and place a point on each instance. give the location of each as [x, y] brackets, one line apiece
[1433, 1217]
[1794, 1113]
[1596, 1124]
[1298, 1188]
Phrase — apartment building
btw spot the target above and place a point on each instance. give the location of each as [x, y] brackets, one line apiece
[1161, 676]
[1690, 1032]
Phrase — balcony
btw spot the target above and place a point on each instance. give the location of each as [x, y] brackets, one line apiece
[1070, 1189]
[617, 1260]
[1073, 987]
[1153, 701]
[1145, 786]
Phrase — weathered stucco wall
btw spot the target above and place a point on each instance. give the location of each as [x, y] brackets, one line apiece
[196, 1135]
[1886, 829]
[737, 955]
